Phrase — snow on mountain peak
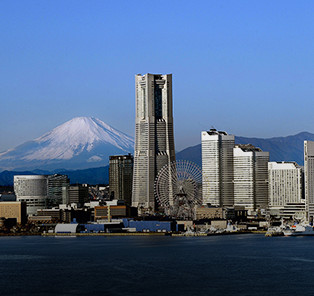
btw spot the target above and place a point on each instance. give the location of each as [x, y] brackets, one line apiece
[77, 135]
[72, 138]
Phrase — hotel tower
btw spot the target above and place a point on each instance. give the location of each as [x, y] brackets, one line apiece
[217, 165]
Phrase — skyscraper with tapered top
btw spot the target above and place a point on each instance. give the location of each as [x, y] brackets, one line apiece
[154, 140]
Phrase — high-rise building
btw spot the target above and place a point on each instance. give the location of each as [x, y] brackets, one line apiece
[121, 177]
[31, 189]
[217, 166]
[55, 184]
[309, 179]
[154, 140]
[285, 189]
[250, 167]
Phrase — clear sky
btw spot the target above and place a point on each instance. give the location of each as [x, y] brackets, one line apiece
[246, 67]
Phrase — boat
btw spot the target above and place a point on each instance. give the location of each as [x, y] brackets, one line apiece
[299, 230]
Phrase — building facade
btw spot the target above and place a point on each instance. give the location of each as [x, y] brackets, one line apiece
[55, 193]
[13, 210]
[285, 183]
[121, 177]
[250, 166]
[154, 139]
[31, 189]
[309, 179]
[217, 166]
[77, 194]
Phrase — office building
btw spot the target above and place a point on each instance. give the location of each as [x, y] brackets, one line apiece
[154, 140]
[77, 194]
[13, 210]
[119, 211]
[55, 193]
[217, 165]
[285, 183]
[31, 189]
[121, 177]
[309, 179]
[250, 167]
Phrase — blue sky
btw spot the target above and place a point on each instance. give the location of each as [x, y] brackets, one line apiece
[246, 67]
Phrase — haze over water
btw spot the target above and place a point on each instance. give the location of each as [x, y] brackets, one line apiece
[217, 265]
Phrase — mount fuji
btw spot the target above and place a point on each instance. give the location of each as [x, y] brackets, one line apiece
[83, 142]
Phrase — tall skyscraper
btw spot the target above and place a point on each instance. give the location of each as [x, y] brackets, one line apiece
[121, 177]
[154, 140]
[250, 165]
[217, 165]
[309, 179]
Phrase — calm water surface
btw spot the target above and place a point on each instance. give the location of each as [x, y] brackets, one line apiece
[220, 265]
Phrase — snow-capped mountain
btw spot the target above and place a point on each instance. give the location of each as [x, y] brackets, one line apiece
[82, 142]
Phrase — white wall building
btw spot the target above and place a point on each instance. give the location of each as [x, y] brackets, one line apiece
[217, 166]
[309, 178]
[33, 190]
[250, 177]
[285, 180]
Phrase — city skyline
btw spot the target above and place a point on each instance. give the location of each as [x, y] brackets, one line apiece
[250, 61]
[184, 183]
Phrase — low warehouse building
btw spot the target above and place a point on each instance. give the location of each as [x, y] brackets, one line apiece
[67, 228]
[150, 226]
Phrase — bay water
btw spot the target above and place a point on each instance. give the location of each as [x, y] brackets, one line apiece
[154, 265]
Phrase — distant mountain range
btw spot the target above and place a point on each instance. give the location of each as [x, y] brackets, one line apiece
[288, 148]
[80, 143]
[82, 146]
[90, 176]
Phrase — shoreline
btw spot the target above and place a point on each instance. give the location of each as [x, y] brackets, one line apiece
[130, 234]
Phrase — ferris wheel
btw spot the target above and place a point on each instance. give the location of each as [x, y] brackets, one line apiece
[178, 189]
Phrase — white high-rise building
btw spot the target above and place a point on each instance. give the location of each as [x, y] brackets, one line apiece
[154, 140]
[309, 179]
[250, 166]
[285, 188]
[31, 189]
[217, 166]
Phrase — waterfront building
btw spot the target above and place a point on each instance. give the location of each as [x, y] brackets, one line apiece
[217, 166]
[55, 214]
[121, 177]
[204, 212]
[31, 189]
[154, 139]
[117, 211]
[309, 179]
[250, 166]
[13, 210]
[285, 183]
